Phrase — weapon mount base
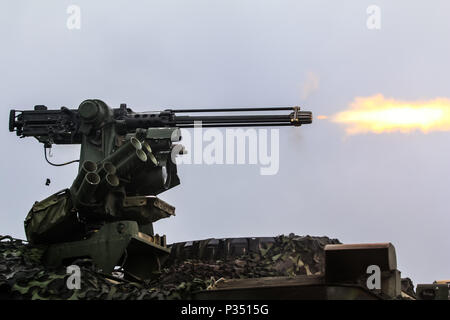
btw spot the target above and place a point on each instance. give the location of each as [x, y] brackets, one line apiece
[114, 244]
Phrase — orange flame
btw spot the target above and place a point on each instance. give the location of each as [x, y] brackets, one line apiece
[379, 115]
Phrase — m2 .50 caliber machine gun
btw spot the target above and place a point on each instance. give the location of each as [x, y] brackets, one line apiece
[107, 214]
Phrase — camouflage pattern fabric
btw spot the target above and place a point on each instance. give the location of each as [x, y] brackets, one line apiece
[192, 266]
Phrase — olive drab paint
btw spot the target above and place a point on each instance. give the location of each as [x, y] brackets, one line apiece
[108, 212]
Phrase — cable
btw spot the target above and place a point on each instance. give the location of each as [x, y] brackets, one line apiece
[57, 164]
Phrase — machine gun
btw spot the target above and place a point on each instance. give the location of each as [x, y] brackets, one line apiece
[107, 214]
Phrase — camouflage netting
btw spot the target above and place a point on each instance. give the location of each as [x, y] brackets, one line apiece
[193, 266]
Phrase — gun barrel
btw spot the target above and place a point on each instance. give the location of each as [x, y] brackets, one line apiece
[233, 109]
[65, 126]
[247, 120]
[170, 118]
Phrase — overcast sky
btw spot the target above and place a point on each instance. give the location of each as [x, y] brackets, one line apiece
[192, 53]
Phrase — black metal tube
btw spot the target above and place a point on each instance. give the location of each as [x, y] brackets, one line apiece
[87, 188]
[124, 151]
[230, 125]
[108, 183]
[133, 161]
[303, 117]
[231, 109]
[232, 119]
[85, 168]
[105, 169]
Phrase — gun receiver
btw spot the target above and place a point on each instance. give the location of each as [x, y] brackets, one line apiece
[125, 161]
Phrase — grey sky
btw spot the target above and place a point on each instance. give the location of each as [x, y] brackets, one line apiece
[154, 54]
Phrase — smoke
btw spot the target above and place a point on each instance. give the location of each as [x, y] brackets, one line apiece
[310, 85]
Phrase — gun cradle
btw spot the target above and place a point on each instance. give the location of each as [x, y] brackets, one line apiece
[78, 222]
[118, 188]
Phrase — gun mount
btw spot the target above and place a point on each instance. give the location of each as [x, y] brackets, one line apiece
[107, 214]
